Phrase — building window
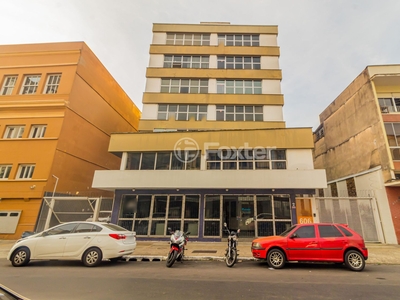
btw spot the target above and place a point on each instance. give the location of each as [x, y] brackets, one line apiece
[37, 131]
[239, 62]
[184, 86]
[320, 132]
[52, 84]
[246, 159]
[334, 190]
[166, 160]
[212, 215]
[14, 132]
[5, 171]
[265, 215]
[239, 87]
[188, 39]
[8, 85]
[273, 214]
[389, 105]
[151, 215]
[30, 85]
[25, 171]
[351, 187]
[189, 62]
[239, 39]
[182, 112]
[320, 192]
[239, 113]
[393, 136]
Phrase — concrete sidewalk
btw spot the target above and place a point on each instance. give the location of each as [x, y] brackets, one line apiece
[378, 253]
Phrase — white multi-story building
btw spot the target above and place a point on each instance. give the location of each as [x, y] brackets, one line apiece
[212, 145]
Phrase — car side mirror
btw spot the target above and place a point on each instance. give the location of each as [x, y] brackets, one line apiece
[294, 235]
[45, 233]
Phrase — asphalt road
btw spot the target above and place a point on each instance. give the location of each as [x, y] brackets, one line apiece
[199, 280]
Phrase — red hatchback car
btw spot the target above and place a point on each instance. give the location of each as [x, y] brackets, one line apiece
[313, 242]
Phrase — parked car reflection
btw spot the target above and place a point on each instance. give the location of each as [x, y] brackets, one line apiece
[259, 216]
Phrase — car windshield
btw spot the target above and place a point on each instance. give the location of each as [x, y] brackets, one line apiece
[114, 227]
[286, 232]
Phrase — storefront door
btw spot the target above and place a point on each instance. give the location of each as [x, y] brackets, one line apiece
[236, 211]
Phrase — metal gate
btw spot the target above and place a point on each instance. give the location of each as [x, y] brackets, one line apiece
[57, 210]
[361, 214]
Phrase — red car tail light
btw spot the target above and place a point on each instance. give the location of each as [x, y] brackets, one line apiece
[117, 236]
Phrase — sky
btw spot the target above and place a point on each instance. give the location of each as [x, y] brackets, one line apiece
[324, 44]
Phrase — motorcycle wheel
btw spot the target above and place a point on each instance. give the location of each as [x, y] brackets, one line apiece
[171, 258]
[180, 256]
[231, 260]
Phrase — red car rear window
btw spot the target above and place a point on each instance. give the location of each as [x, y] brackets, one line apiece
[326, 231]
[345, 231]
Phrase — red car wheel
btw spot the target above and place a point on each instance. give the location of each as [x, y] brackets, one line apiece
[276, 259]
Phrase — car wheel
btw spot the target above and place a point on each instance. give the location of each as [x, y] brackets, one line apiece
[276, 259]
[92, 257]
[21, 257]
[354, 260]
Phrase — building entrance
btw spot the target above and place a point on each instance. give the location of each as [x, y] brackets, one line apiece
[236, 211]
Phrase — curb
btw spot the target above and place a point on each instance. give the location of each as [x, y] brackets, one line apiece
[187, 258]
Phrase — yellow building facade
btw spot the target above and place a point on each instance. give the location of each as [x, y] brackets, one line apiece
[58, 108]
[212, 145]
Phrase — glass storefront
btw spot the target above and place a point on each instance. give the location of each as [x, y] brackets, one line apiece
[151, 215]
[212, 216]
[254, 215]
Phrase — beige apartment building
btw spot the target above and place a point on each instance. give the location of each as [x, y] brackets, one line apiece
[358, 145]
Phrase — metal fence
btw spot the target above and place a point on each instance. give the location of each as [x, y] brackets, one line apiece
[57, 210]
[359, 213]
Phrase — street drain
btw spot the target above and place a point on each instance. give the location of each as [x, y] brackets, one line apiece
[204, 251]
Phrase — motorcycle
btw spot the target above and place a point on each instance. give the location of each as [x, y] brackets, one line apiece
[177, 243]
[231, 252]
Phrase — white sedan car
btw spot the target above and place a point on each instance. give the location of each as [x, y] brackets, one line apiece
[87, 241]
